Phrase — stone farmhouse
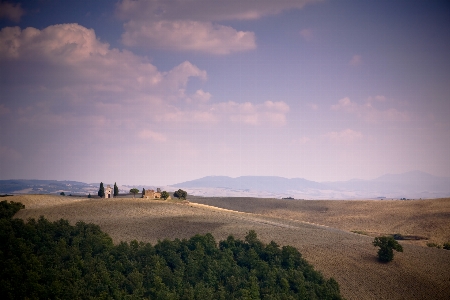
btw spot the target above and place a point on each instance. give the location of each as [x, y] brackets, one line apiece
[151, 194]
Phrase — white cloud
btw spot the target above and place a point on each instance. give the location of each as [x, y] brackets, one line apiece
[368, 112]
[200, 96]
[83, 64]
[188, 36]
[266, 113]
[11, 11]
[77, 80]
[347, 135]
[356, 60]
[192, 25]
[151, 135]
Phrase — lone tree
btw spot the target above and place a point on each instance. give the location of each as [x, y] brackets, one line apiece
[116, 190]
[62, 194]
[143, 192]
[180, 194]
[164, 195]
[387, 244]
[134, 191]
[101, 191]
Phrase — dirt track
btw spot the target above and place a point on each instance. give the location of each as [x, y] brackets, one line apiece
[418, 273]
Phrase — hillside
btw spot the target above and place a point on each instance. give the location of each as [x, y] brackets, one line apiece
[429, 218]
[418, 273]
[414, 184]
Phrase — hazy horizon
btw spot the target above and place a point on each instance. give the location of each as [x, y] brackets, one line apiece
[162, 92]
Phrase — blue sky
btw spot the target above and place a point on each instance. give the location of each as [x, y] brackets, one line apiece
[159, 92]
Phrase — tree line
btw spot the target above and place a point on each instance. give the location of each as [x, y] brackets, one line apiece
[49, 260]
[180, 194]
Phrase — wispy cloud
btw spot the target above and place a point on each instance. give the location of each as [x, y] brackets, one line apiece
[307, 34]
[356, 60]
[151, 135]
[368, 112]
[11, 11]
[77, 78]
[4, 110]
[73, 60]
[205, 10]
[188, 36]
[192, 25]
[313, 106]
[200, 96]
[347, 135]
[272, 113]
[301, 141]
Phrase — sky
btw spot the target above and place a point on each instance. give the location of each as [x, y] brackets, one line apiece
[160, 92]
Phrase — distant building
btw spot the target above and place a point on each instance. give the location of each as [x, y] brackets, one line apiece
[109, 192]
[151, 194]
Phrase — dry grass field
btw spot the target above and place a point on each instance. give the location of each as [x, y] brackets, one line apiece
[429, 219]
[417, 273]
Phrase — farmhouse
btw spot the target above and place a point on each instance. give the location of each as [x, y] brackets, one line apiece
[151, 194]
[108, 192]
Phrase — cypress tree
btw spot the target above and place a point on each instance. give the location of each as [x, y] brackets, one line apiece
[116, 190]
[101, 191]
[143, 192]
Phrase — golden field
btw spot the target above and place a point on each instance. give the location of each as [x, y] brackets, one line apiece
[417, 273]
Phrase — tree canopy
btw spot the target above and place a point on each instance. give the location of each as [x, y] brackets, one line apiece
[40, 259]
[387, 244]
[180, 194]
[116, 190]
[165, 195]
[101, 190]
[134, 191]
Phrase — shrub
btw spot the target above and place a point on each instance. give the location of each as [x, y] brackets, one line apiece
[387, 244]
[62, 194]
[164, 195]
[434, 245]
[446, 246]
[398, 236]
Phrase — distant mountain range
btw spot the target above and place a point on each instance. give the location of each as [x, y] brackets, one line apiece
[414, 184]
[410, 185]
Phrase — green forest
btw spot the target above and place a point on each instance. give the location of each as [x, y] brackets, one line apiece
[40, 259]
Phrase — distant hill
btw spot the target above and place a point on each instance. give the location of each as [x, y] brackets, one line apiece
[257, 183]
[26, 186]
[409, 185]
[414, 184]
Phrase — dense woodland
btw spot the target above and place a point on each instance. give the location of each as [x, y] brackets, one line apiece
[40, 259]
